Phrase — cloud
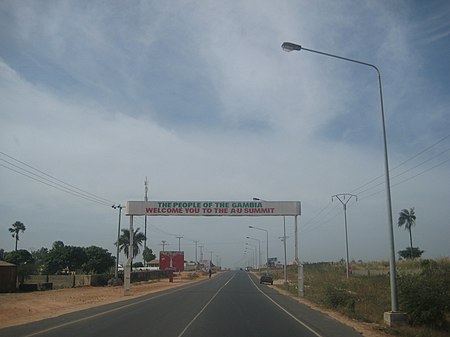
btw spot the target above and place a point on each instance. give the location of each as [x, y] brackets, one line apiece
[202, 100]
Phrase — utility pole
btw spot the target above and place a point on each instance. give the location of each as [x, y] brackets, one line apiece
[196, 260]
[344, 198]
[163, 244]
[201, 252]
[116, 271]
[179, 242]
[145, 218]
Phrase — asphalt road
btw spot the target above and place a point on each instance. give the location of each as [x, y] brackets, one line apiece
[231, 304]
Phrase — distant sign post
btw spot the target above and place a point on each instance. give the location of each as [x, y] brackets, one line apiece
[217, 208]
[171, 260]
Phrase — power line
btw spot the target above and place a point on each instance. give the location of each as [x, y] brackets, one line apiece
[56, 187]
[53, 181]
[401, 164]
[319, 219]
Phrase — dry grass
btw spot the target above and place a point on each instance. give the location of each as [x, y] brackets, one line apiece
[365, 296]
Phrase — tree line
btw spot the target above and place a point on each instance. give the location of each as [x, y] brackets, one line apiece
[60, 259]
[66, 259]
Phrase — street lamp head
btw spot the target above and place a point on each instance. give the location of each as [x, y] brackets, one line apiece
[289, 46]
[250, 226]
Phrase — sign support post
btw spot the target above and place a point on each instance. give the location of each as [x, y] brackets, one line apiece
[213, 208]
[298, 262]
[127, 269]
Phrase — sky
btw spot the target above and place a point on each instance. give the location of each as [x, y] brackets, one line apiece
[199, 97]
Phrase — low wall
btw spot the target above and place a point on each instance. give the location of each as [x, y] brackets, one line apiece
[60, 281]
[73, 281]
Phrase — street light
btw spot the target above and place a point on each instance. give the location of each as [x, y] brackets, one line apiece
[267, 242]
[254, 252]
[259, 250]
[297, 260]
[288, 46]
[116, 272]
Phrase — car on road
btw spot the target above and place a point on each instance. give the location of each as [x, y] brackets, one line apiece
[266, 278]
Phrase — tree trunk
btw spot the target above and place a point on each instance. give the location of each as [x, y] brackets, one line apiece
[410, 242]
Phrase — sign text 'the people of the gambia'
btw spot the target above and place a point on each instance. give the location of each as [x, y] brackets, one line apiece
[213, 208]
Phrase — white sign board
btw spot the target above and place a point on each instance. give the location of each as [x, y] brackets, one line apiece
[213, 208]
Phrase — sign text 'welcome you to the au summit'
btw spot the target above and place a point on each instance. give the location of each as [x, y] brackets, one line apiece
[213, 208]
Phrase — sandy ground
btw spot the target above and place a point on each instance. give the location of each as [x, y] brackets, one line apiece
[20, 308]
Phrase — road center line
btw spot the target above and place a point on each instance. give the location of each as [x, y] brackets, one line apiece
[109, 311]
[203, 309]
[287, 312]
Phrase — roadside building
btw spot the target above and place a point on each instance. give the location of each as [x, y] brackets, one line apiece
[8, 277]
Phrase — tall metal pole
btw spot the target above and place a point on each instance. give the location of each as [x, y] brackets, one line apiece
[196, 260]
[145, 218]
[344, 198]
[285, 255]
[267, 243]
[300, 278]
[179, 242]
[127, 269]
[288, 46]
[163, 244]
[254, 252]
[116, 272]
[258, 262]
[201, 252]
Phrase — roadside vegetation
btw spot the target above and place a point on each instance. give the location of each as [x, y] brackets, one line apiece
[423, 289]
[63, 259]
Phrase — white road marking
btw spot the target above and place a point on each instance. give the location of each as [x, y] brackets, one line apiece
[287, 312]
[107, 312]
[203, 309]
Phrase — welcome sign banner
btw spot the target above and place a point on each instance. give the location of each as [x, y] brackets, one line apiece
[213, 208]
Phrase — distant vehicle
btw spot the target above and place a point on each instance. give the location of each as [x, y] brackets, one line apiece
[266, 278]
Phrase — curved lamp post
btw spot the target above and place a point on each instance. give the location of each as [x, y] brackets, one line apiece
[259, 250]
[267, 242]
[288, 46]
[254, 252]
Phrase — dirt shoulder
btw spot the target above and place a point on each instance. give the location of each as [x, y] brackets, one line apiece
[365, 329]
[20, 308]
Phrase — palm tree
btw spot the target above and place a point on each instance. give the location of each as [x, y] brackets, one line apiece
[15, 229]
[408, 219]
[124, 241]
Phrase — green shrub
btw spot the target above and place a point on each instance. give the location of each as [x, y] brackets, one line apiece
[338, 297]
[100, 280]
[426, 296]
